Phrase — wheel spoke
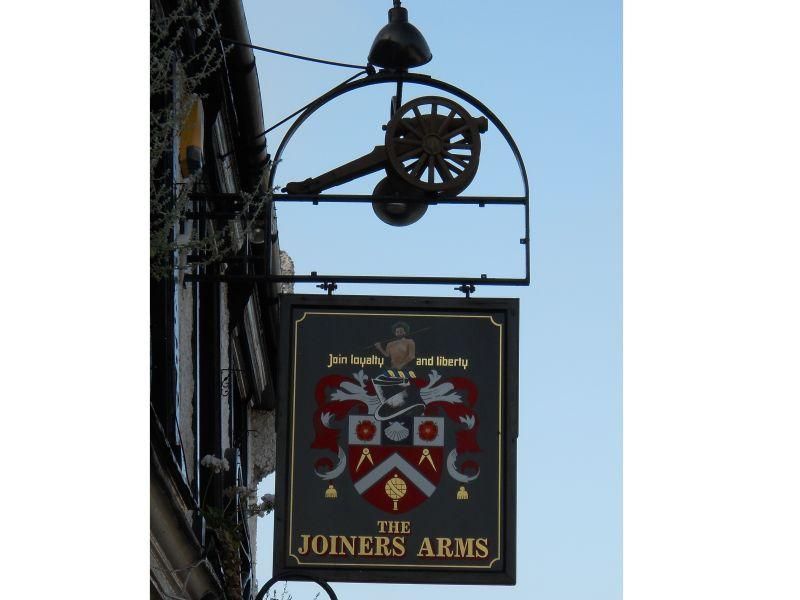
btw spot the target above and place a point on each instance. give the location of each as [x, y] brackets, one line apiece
[461, 160]
[419, 166]
[407, 140]
[451, 134]
[420, 119]
[446, 122]
[406, 122]
[444, 169]
[410, 154]
[454, 168]
[430, 169]
[457, 146]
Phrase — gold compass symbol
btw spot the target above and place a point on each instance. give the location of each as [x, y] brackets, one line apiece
[426, 455]
[365, 454]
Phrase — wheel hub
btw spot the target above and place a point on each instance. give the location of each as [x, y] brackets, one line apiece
[432, 144]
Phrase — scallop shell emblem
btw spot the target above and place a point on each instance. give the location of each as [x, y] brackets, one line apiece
[396, 431]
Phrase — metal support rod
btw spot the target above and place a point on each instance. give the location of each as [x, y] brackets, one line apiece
[397, 99]
[234, 258]
[410, 280]
[224, 197]
[479, 200]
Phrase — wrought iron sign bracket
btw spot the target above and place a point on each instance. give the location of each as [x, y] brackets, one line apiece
[466, 289]
[328, 286]
[407, 188]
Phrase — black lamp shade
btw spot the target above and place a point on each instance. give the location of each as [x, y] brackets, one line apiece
[399, 45]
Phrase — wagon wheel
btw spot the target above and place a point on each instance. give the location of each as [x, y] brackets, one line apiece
[434, 144]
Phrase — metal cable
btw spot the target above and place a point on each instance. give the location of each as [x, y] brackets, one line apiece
[298, 56]
[302, 108]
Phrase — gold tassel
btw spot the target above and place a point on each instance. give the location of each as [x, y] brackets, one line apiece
[462, 494]
[330, 493]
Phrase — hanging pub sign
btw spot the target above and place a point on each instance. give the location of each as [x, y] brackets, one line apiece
[397, 432]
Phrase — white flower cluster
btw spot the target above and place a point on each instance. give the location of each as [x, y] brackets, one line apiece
[266, 506]
[240, 490]
[217, 465]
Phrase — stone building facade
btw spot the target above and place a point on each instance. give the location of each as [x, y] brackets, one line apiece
[213, 323]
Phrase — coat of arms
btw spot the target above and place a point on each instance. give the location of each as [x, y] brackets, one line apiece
[396, 431]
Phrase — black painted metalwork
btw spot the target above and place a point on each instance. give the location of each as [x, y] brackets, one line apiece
[466, 289]
[419, 147]
[399, 45]
[290, 576]
[322, 61]
[399, 79]
[479, 200]
[328, 287]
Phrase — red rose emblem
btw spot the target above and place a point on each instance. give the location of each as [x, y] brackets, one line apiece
[428, 431]
[365, 430]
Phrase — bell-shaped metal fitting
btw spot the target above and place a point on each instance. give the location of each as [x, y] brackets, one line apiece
[399, 45]
[398, 213]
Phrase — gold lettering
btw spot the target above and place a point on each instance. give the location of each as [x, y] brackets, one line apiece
[399, 546]
[319, 544]
[444, 548]
[446, 361]
[464, 548]
[364, 545]
[348, 544]
[303, 550]
[362, 361]
[382, 546]
[336, 359]
[334, 551]
[482, 548]
[425, 549]
[402, 527]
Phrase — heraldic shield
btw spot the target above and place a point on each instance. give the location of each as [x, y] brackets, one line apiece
[395, 427]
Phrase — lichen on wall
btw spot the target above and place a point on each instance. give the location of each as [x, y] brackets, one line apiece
[287, 268]
[262, 422]
[262, 444]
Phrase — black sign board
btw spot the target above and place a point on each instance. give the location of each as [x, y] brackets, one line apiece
[397, 427]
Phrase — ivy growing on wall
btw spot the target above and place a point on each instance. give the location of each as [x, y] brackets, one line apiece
[185, 54]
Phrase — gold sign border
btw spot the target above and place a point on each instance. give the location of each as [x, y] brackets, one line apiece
[501, 433]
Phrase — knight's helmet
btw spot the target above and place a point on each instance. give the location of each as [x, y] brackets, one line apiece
[391, 385]
[397, 393]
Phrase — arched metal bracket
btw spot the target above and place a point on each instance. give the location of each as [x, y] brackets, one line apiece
[290, 576]
[399, 78]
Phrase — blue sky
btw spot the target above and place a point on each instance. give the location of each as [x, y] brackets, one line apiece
[552, 73]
